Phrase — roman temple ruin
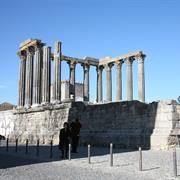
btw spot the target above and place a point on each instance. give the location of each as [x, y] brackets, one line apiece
[35, 74]
[45, 102]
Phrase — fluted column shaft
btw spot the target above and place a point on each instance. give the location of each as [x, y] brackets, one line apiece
[108, 82]
[119, 80]
[86, 82]
[141, 79]
[46, 79]
[37, 76]
[29, 78]
[72, 66]
[99, 84]
[22, 76]
[129, 83]
[57, 73]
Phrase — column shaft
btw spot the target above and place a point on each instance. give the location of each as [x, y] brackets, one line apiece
[86, 82]
[108, 82]
[129, 80]
[57, 73]
[46, 79]
[141, 79]
[37, 76]
[118, 80]
[29, 78]
[99, 84]
[72, 66]
[22, 76]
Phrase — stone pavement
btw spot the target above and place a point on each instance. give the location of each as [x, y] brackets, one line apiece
[157, 165]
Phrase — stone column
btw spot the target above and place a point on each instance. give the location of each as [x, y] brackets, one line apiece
[72, 66]
[119, 80]
[29, 77]
[57, 73]
[22, 76]
[141, 80]
[129, 80]
[108, 82]
[46, 78]
[99, 84]
[86, 82]
[37, 76]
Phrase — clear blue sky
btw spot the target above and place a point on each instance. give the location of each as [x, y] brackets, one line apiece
[96, 28]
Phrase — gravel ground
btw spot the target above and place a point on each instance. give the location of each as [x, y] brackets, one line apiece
[157, 165]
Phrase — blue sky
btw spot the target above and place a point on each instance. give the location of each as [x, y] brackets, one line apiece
[96, 28]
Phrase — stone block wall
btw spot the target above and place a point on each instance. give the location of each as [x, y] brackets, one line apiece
[126, 124]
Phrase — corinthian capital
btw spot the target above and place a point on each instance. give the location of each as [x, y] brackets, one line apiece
[86, 66]
[22, 55]
[129, 61]
[119, 64]
[140, 58]
[108, 66]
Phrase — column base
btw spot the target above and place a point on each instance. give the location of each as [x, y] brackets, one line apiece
[56, 102]
[35, 105]
[45, 103]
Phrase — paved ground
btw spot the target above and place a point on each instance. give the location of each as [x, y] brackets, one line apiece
[157, 165]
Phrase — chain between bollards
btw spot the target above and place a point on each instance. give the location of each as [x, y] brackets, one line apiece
[7, 145]
[174, 162]
[89, 153]
[37, 148]
[51, 149]
[111, 154]
[69, 152]
[16, 149]
[140, 159]
[26, 151]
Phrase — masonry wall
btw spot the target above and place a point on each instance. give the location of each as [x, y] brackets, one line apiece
[127, 124]
[6, 122]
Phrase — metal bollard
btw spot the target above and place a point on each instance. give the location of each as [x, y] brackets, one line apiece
[111, 154]
[16, 150]
[51, 150]
[174, 162]
[7, 145]
[37, 148]
[26, 151]
[69, 152]
[89, 153]
[140, 159]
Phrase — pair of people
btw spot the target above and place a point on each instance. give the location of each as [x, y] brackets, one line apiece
[68, 134]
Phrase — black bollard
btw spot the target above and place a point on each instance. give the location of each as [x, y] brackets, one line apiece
[174, 162]
[140, 159]
[111, 154]
[26, 152]
[37, 148]
[16, 149]
[69, 152]
[7, 145]
[89, 153]
[51, 149]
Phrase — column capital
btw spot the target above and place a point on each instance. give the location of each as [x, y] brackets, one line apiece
[30, 51]
[108, 66]
[140, 58]
[86, 66]
[129, 60]
[72, 64]
[22, 55]
[99, 68]
[118, 64]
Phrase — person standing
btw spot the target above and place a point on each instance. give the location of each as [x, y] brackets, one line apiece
[64, 139]
[75, 132]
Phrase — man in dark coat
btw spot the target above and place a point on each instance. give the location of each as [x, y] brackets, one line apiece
[64, 140]
[75, 132]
